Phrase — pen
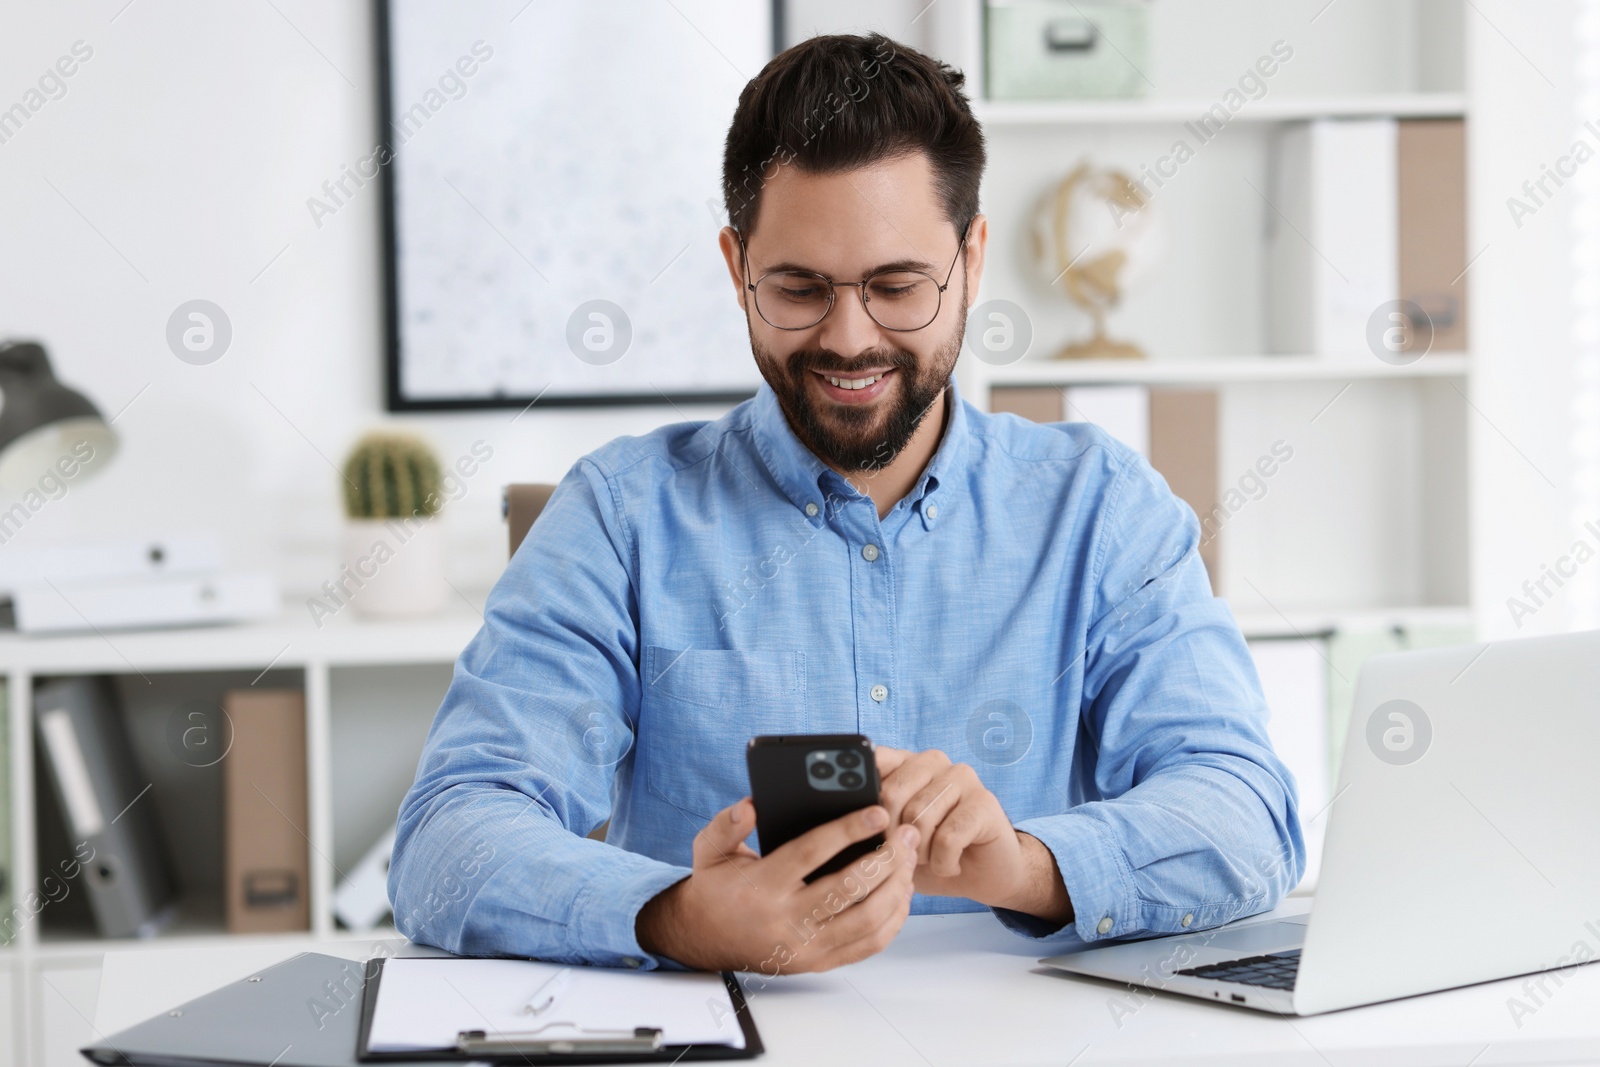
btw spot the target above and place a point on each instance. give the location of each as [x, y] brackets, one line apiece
[547, 994]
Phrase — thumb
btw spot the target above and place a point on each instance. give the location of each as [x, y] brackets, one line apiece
[719, 840]
[888, 759]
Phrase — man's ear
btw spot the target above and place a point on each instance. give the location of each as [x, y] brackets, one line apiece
[728, 241]
[977, 243]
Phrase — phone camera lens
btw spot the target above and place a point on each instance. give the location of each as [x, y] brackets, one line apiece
[847, 759]
[851, 779]
[823, 770]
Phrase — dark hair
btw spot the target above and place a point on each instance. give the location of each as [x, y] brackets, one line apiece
[844, 101]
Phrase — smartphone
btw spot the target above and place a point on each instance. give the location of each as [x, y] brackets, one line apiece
[800, 781]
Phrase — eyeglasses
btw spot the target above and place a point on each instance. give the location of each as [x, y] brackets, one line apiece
[898, 300]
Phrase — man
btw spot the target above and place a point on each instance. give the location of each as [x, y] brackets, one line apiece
[1069, 728]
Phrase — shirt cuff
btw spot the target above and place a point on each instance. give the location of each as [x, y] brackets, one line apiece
[606, 913]
[1099, 882]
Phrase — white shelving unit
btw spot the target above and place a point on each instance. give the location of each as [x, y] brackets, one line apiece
[1372, 523]
[1256, 625]
[371, 690]
[999, 114]
[1227, 371]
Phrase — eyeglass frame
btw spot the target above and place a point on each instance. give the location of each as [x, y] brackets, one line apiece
[861, 286]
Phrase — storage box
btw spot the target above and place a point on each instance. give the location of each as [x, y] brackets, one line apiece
[1065, 49]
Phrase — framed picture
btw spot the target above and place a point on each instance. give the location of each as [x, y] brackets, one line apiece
[552, 194]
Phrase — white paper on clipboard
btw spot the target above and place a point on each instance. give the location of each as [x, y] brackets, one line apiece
[423, 1003]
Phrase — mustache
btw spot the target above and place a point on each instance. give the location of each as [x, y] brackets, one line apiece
[802, 363]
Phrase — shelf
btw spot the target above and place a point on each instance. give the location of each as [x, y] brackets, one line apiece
[196, 917]
[1023, 113]
[291, 640]
[1313, 622]
[199, 922]
[1232, 369]
[52, 948]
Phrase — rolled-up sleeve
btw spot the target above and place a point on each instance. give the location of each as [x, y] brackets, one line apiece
[1196, 821]
[491, 856]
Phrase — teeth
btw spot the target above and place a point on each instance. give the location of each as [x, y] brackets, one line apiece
[854, 383]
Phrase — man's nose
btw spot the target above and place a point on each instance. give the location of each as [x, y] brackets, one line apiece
[848, 327]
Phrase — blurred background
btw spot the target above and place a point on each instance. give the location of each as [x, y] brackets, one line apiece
[295, 269]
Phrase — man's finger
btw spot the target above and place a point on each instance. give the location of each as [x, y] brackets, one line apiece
[888, 759]
[929, 806]
[959, 830]
[799, 857]
[819, 914]
[719, 840]
[863, 875]
[866, 928]
[901, 784]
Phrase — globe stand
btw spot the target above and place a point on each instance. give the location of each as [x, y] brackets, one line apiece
[1066, 230]
[1100, 346]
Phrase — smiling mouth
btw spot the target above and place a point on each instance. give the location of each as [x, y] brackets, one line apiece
[853, 383]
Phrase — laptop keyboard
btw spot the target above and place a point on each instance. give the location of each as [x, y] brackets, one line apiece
[1275, 971]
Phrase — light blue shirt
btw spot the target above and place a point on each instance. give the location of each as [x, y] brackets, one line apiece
[1035, 607]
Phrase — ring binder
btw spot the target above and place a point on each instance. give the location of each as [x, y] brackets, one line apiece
[94, 774]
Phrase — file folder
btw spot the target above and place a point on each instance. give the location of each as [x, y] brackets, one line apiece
[303, 1012]
[105, 804]
[266, 814]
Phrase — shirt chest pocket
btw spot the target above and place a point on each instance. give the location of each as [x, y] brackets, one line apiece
[699, 709]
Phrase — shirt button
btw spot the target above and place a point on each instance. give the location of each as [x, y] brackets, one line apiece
[933, 511]
[869, 552]
[1105, 925]
[879, 693]
[1187, 919]
[631, 961]
[811, 509]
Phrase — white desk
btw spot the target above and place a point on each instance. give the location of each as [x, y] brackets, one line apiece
[962, 990]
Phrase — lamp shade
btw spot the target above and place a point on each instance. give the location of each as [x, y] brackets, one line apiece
[45, 427]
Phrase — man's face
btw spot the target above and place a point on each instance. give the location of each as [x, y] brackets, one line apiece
[844, 226]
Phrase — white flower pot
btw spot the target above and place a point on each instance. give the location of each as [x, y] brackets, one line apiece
[395, 567]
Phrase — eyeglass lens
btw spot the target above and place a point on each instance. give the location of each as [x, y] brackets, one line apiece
[896, 300]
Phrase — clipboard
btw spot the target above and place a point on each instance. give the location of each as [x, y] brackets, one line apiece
[537, 1046]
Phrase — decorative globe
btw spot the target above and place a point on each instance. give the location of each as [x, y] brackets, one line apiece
[1096, 234]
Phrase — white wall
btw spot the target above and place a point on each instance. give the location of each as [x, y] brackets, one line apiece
[906, 21]
[177, 166]
[1521, 71]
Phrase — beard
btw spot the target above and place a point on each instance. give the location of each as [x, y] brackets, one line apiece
[866, 437]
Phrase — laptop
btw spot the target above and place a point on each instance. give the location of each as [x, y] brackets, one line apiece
[1459, 849]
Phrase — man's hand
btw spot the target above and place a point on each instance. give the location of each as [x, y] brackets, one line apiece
[740, 911]
[968, 847]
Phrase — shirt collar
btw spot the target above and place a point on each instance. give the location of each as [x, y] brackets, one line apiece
[806, 480]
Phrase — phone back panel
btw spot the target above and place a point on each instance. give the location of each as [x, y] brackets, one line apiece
[792, 797]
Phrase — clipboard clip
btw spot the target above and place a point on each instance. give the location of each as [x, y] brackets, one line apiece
[537, 1043]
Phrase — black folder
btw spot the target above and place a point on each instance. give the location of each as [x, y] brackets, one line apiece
[303, 1012]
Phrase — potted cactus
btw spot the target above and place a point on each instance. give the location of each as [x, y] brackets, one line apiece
[393, 544]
